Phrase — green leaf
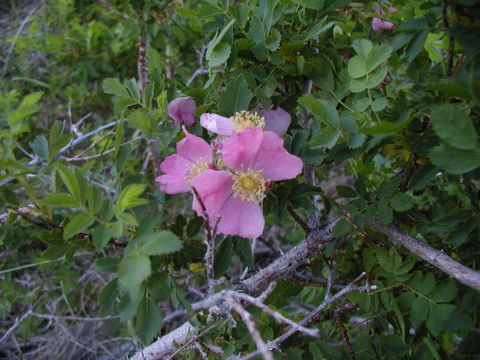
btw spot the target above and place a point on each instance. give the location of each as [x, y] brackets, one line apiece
[257, 30]
[77, 224]
[149, 320]
[318, 29]
[357, 67]
[444, 292]
[223, 257]
[346, 191]
[70, 181]
[362, 48]
[60, 200]
[244, 250]
[418, 311]
[40, 147]
[312, 105]
[130, 197]
[158, 243]
[454, 127]
[101, 236]
[342, 227]
[108, 295]
[108, 265]
[453, 160]
[385, 213]
[401, 202]
[133, 270]
[377, 56]
[141, 120]
[218, 52]
[389, 187]
[435, 320]
[236, 97]
[115, 87]
[327, 138]
[379, 104]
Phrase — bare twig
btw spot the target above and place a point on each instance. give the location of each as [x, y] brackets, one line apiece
[95, 156]
[15, 325]
[435, 257]
[195, 338]
[274, 344]
[209, 242]
[276, 315]
[252, 328]
[298, 219]
[74, 142]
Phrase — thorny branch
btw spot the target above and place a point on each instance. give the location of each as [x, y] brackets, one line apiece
[209, 243]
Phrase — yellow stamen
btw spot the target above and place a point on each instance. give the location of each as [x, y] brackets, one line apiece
[197, 168]
[249, 186]
[244, 118]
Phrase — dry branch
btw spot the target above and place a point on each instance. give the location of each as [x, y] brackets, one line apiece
[435, 257]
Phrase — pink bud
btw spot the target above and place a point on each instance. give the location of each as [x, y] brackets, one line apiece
[182, 110]
[392, 9]
[379, 11]
[378, 24]
[277, 120]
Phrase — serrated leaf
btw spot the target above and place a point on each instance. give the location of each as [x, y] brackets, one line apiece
[77, 224]
[40, 147]
[158, 243]
[60, 200]
[115, 87]
[101, 236]
[385, 213]
[377, 56]
[418, 311]
[130, 197]
[108, 295]
[149, 320]
[453, 160]
[435, 320]
[236, 97]
[133, 270]
[219, 54]
[362, 47]
[444, 292]
[401, 202]
[342, 227]
[70, 181]
[454, 127]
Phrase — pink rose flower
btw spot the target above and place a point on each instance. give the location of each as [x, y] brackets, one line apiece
[277, 120]
[217, 124]
[182, 110]
[193, 157]
[378, 24]
[255, 158]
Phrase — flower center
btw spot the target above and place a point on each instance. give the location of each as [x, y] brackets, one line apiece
[244, 118]
[197, 168]
[250, 185]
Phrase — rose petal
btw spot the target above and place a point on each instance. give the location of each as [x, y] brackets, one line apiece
[240, 149]
[175, 169]
[182, 110]
[194, 147]
[214, 188]
[217, 124]
[277, 120]
[242, 218]
[276, 162]
[378, 24]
